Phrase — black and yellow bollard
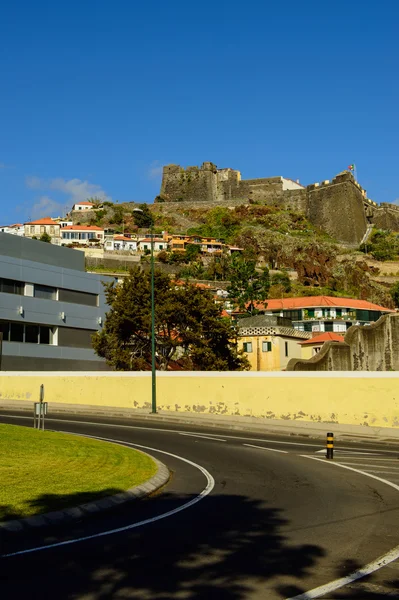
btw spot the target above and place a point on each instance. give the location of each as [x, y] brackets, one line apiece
[330, 446]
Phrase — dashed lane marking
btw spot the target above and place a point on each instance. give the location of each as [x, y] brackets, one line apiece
[232, 437]
[205, 437]
[264, 448]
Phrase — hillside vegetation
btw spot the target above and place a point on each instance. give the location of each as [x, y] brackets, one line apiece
[280, 239]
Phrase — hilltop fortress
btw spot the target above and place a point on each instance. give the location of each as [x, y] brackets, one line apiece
[340, 207]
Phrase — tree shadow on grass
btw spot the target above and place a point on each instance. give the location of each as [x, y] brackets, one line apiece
[53, 502]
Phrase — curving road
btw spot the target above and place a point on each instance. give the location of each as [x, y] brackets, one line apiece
[272, 520]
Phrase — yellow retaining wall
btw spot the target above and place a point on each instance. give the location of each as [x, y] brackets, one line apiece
[369, 398]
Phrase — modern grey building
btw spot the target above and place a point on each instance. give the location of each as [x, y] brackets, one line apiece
[49, 307]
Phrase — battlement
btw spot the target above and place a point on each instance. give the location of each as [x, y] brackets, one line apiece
[389, 206]
[339, 206]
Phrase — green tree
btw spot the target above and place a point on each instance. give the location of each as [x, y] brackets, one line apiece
[394, 291]
[247, 285]
[143, 217]
[188, 326]
[45, 238]
[283, 280]
[192, 252]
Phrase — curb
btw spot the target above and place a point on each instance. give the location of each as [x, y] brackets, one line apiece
[68, 514]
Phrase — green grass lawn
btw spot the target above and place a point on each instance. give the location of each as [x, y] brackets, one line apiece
[41, 471]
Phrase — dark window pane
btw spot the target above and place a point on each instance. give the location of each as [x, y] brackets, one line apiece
[75, 338]
[44, 335]
[328, 326]
[9, 286]
[31, 334]
[17, 332]
[77, 297]
[44, 291]
[5, 330]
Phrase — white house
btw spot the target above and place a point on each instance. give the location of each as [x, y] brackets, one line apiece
[121, 242]
[83, 206]
[16, 229]
[145, 244]
[45, 225]
[82, 234]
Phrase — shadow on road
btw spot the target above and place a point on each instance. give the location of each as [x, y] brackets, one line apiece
[227, 547]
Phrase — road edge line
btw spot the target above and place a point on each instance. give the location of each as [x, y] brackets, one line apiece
[371, 567]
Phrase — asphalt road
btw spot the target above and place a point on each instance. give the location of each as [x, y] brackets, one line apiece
[279, 521]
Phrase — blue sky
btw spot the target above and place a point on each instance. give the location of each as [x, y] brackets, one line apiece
[96, 96]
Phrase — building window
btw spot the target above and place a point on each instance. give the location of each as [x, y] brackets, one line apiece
[328, 326]
[247, 346]
[266, 346]
[17, 332]
[75, 338]
[76, 297]
[32, 229]
[45, 292]
[45, 335]
[32, 334]
[293, 315]
[286, 348]
[10, 286]
[5, 330]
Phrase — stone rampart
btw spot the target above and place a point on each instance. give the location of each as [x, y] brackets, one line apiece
[365, 348]
[338, 208]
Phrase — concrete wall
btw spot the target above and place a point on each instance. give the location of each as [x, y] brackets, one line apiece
[369, 399]
[366, 348]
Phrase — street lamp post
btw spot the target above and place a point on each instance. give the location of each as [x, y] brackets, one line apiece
[153, 364]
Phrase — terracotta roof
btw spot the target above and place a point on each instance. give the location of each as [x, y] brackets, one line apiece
[16, 225]
[316, 301]
[155, 240]
[44, 221]
[328, 336]
[83, 204]
[122, 238]
[82, 228]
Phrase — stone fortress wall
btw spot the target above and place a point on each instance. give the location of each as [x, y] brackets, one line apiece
[340, 207]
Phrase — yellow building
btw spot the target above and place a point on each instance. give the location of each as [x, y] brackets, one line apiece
[269, 342]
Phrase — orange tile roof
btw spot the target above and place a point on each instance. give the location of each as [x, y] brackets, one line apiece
[328, 336]
[155, 240]
[82, 228]
[122, 238]
[316, 301]
[44, 221]
[83, 204]
[16, 225]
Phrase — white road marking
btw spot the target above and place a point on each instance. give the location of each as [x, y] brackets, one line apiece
[233, 437]
[205, 437]
[374, 459]
[207, 490]
[371, 567]
[263, 448]
[363, 465]
[347, 452]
